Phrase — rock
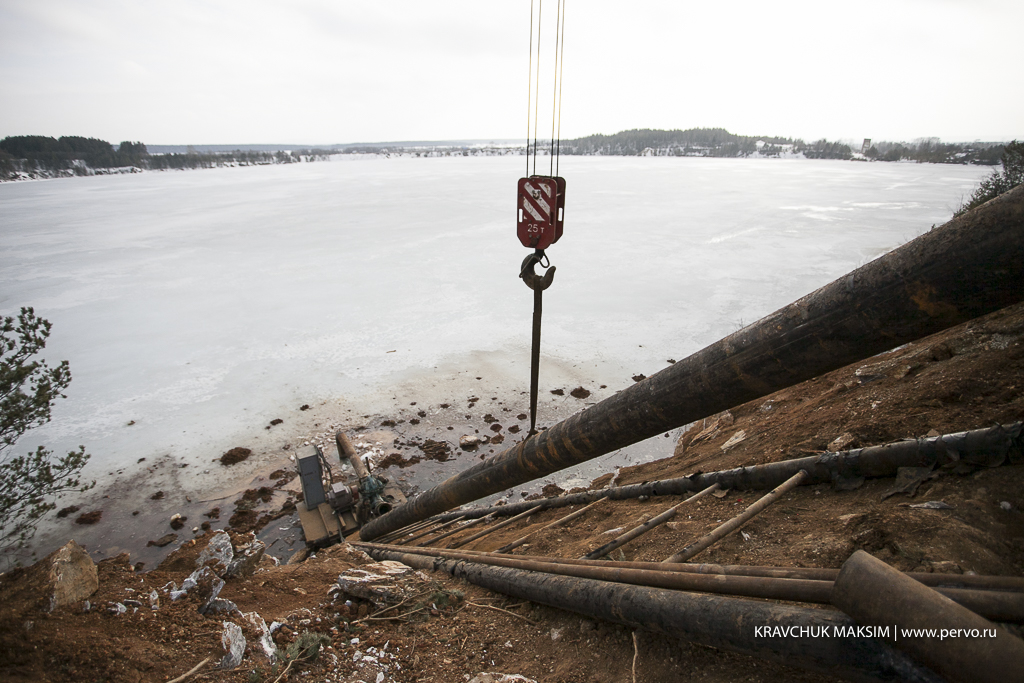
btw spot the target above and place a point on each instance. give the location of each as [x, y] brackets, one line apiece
[178, 521]
[579, 392]
[163, 540]
[944, 567]
[639, 378]
[378, 582]
[468, 442]
[1005, 505]
[841, 443]
[218, 553]
[207, 587]
[556, 634]
[65, 576]
[246, 562]
[266, 643]
[220, 606]
[933, 505]
[736, 438]
[234, 645]
[494, 677]
[852, 519]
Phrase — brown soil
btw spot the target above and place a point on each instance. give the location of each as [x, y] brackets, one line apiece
[397, 459]
[966, 378]
[235, 455]
[89, 517]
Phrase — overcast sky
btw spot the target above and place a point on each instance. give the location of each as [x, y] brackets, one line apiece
[331, 71]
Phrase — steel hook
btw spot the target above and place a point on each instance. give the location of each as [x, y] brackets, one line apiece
[534, 281]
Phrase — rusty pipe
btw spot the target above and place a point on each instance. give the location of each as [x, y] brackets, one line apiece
[553, 525]
[642, 529]
[878, 596]
[431, 529]
[970, 266]
[712, 620]
[1008, 607]
[739, 520]
[989, 446]
[983, 582]
[480, 534]
[347, 450]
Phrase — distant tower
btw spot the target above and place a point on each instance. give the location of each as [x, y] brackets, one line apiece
[866, 146]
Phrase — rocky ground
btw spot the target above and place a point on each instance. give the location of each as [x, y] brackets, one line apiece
[411, 626]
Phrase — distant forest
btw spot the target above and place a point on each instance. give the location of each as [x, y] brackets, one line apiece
[718, 142]
[33, 156]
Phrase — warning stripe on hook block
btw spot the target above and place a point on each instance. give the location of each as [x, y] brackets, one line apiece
[535, 201]
[538, 206]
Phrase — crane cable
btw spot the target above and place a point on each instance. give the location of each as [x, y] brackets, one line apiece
[533, 89]
[538, 283]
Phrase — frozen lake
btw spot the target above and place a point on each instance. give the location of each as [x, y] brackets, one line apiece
[203, 304]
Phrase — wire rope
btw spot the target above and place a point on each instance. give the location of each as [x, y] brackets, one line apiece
[554, 93]
[529, 90]
[536, 97]
[561, 65]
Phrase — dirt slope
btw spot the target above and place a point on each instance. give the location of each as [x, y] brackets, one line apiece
[969, 377]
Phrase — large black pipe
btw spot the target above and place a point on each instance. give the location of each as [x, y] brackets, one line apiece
[968, 267]
[989, 447]
[827, 644]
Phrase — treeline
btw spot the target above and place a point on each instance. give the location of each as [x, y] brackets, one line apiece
[933, 151]
[65, 153]
[31, 155]
[718, 142]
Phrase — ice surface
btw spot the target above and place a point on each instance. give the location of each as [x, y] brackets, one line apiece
[202, 304]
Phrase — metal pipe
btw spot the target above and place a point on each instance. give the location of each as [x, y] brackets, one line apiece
[991, 583]
[970, 266]
[1006, 607]
[739, 520]
[712, 620]
[346, 449]
[431, 530]
[478, 520]
[876, 595]
[411, 529]
[989, 446]
[645, 527]
[557, 523]
[480, 534]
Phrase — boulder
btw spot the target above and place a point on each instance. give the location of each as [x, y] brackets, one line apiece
[217, 554]
[65, 576]
[246, 560]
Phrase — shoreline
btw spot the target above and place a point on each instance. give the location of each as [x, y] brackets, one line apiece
[393, 427]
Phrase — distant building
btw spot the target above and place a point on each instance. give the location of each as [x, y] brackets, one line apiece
[866, 146]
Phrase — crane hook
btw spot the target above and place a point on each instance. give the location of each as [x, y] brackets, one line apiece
[537, 283]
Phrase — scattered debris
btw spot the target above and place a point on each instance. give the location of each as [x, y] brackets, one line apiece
[579, 392]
